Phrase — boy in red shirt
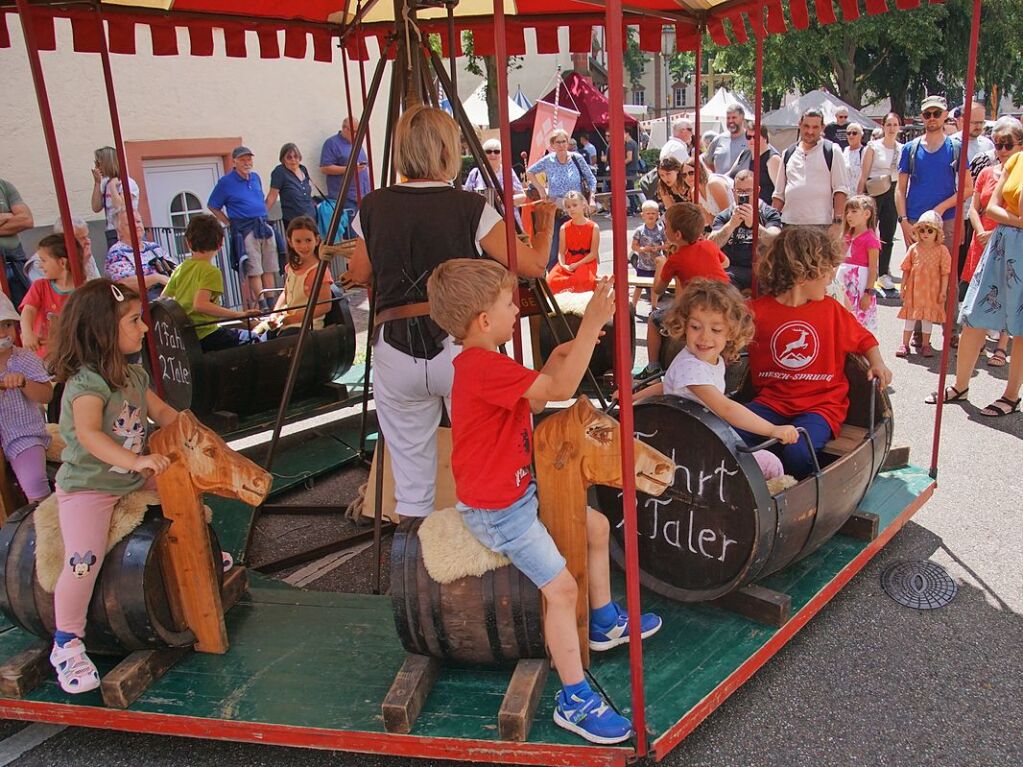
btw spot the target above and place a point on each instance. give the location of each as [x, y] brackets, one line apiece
[797, 358]
[492, 398]
[692, 257]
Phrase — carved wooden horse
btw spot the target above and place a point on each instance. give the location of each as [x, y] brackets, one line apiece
[201, 462]
[574, 449]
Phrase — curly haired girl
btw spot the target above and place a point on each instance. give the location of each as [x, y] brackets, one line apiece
[716, 325]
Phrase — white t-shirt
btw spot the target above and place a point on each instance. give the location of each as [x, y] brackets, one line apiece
[689, 370]
[854, 166]
[488, 219]
[675, 147]
[710, 203]
[109, 208]
[807, 188]
[882, 164]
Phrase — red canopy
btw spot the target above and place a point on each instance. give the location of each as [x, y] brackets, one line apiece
[578, 93]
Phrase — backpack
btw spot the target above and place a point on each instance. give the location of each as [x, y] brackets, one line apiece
[914, 145]
[829, 154]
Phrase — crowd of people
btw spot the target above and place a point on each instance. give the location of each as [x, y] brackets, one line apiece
[442, 314]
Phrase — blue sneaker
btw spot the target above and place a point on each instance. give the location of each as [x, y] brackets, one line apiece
[606, 637]
[591, 718]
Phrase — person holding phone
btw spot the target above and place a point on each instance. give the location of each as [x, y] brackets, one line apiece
[732, 231]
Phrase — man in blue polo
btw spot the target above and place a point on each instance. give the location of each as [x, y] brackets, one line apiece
[240, 192]
[334, 162]
[927, 173]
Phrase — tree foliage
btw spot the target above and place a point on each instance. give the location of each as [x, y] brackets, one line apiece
[634, 59]
[486, 67]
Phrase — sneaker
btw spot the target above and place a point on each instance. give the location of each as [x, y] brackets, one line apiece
[649, 371]
[591, 718]
[902, 351]
[885, 283]
[605, 638]
[75, 672]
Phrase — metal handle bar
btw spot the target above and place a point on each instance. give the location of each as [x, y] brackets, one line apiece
[774, 441]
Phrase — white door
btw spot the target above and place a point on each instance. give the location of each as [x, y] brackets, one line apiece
[177, 190]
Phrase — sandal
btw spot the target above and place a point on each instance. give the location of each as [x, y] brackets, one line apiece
[926, 350]
[998, 359]
[956, 396]
[995, 409]
[75, 672]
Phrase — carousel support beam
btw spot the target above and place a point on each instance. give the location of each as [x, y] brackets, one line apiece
[501, 53]
[354, 157]
[952, 295]
[452, 58]
[321, 270]
[50, 136]
[129, 203]
[623, 371]
[697, 135]
[758, 109]
[362, 91]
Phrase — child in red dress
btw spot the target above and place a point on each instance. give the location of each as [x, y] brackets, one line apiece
[797, 358]
[578, 250]
[492, 449]
[692, 256]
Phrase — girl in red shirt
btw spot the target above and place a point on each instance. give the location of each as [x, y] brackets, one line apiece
[797, 358]
[45, 299]
[576, 270]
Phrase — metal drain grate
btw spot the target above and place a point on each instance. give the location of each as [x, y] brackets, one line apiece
[919, 584]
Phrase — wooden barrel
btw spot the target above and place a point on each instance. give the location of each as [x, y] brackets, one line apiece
[491, 620]
[718, 527]
[603, 359]
[129, 608]
[246, 379]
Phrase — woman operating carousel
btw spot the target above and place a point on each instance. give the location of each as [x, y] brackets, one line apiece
[403, 233]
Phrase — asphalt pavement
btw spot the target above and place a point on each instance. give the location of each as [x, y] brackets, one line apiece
[866, 682]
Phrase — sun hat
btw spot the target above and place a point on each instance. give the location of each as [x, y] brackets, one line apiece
[7, 310]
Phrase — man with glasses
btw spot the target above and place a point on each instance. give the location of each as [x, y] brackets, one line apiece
[33, 271]
[680, 142]
[928, 173]
[733, 230]
[725, 149]
[836, 131]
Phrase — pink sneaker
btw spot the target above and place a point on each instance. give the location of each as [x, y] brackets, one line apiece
[902, 351]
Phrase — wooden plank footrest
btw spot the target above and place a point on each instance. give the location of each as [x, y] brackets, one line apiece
[862, 525]
[25, 671]
[515, 717]
[408, 693]
[759, 604]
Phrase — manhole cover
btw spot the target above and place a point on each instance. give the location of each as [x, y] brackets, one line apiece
[921, 585]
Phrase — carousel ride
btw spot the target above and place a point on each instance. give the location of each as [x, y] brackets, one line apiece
[719, 553]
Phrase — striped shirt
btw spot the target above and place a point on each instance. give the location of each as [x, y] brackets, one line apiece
[21, 421]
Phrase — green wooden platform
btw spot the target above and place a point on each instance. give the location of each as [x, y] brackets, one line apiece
[311, 668]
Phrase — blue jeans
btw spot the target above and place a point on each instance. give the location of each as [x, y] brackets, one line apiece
[796, 457]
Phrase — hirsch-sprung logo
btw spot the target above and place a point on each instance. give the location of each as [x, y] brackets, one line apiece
[795, 345]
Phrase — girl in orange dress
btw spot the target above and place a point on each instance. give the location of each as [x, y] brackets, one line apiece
[925, 273]
[578, 250]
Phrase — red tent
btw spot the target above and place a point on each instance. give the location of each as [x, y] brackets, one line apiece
[578, 93]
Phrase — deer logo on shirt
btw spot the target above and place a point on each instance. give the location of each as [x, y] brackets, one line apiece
[795, 345]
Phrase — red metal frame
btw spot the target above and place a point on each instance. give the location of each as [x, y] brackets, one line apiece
[697, 136]
[50, 135]
[673, 736]
[758, 108]
[952, 293]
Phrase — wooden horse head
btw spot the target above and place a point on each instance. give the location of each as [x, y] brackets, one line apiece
[211, 465]
[582, 435]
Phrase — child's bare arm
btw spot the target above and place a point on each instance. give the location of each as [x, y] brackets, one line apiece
[28, 320]
[654, 390]
[569, 370]
[203, 303]
[40, 392]
[877, 367]
[87, 411]
[742, 417]
[159, 410]
[660, 283]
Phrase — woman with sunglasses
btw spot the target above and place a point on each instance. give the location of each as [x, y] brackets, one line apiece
[994, 300]
[770, 162]
[476, 180]
[715, 191]
[878, 175]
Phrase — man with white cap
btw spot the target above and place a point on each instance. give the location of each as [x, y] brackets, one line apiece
[240, 192]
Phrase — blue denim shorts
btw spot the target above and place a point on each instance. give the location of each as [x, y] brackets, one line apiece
[517, 532]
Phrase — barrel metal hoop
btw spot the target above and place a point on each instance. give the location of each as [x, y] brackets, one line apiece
[487, 583]
[518, 616]
[398, 604]
[436, 612]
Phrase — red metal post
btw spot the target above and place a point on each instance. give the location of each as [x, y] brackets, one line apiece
[696, 117]
[129, 204]
[758, 108]
[623, 365]
[50, 135]
[507, 193]
[952, 295]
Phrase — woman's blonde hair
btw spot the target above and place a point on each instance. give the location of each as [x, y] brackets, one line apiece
[106, 158]
[713, 296]
[555, 134]
[798, 254]
[861, 202]
[427, 144]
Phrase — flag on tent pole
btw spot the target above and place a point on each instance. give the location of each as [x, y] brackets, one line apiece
[549, 117]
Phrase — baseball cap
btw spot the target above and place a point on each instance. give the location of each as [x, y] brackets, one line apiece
[240, 151]
[934, 101]
[7, 310]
